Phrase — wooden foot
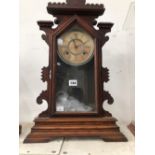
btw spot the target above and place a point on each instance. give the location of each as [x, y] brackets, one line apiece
[115, 137]
[46, 129]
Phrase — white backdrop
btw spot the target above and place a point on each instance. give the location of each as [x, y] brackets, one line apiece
[118, 57]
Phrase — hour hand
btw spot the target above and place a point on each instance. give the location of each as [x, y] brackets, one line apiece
[86, 42]
[75, 43]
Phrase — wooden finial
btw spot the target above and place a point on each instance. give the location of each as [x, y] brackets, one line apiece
[76, 2]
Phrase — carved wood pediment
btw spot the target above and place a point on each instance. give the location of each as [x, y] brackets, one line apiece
[78, 7]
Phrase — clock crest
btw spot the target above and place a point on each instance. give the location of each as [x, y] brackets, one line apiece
[75, 77]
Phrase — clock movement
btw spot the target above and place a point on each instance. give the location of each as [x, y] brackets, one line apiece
[75, 77]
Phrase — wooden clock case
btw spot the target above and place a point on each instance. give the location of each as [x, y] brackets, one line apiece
[51, 124]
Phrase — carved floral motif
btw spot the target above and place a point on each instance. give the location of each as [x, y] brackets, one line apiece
[45, 74]
[105, 74]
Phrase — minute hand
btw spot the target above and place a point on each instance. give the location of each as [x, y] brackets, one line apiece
[86, 42]
[75, 43]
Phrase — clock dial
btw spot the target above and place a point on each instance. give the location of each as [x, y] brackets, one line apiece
[75, 47]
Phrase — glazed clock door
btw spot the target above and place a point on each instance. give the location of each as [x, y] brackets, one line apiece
[75, 84]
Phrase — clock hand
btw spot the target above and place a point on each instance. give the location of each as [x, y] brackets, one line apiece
[86, 42]
[75, 43]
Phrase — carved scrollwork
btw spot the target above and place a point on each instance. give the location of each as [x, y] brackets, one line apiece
[45, 74]
[103, 112]
[94, 22]
[107, 96]
[75, 3]
[56, 21]
[78, 7]
[45, 24]
[103, 29]
[45, 38]
[42, 96]
[107, 113]
[106, 38]
[105, 26]
[105, 74]
[44, 114]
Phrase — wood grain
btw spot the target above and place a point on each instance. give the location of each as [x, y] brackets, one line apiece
[46, 129]
[51, 124]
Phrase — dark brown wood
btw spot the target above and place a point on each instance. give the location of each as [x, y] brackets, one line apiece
[105, 74]
[75, 7]
[46, 129]
[50, 124]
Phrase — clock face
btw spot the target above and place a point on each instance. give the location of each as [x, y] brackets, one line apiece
[75, 47]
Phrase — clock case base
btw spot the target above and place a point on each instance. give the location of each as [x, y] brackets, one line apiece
[46, 129]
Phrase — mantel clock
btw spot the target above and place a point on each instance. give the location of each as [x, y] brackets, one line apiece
[75, 77]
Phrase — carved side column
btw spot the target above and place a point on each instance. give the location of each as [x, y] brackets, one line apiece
[104, 28]
[45, 26]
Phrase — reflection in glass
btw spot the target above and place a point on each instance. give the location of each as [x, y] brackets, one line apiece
[79, 95]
